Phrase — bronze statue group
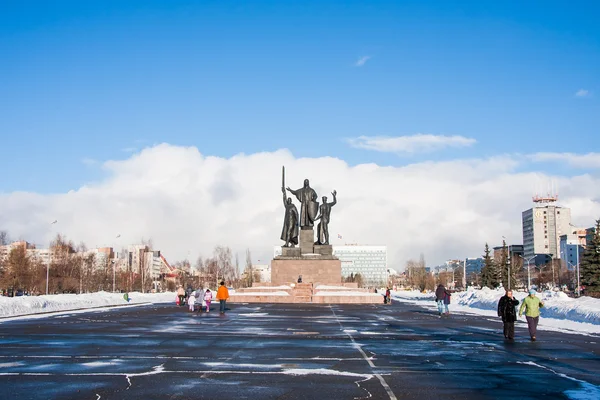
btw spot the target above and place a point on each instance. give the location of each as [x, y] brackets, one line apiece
[305, 219]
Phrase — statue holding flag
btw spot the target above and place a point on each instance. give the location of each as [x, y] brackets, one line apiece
[289, 233]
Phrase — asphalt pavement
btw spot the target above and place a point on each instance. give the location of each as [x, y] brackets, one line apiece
[289, 351]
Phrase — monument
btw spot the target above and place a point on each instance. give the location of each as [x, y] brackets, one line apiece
[306, 271]
[313, 260]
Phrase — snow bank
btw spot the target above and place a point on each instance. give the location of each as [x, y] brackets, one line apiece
[259, 294]
[329, 287]
[270, 287]
[556, 304]
[345, 293]
[26, 305]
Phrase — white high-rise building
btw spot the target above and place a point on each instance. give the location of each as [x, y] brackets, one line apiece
[543, 225]
[368, 261]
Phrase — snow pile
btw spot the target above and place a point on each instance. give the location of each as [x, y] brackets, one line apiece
[345, 293]
[329, 287]
[281, 293]
[556, 304]
[25, 305]
[270, 287]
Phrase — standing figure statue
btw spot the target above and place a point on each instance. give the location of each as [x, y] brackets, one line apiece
[309, 207]
[289, 234]
[323, 227]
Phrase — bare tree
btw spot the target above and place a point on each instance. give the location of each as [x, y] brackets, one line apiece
[4, 238]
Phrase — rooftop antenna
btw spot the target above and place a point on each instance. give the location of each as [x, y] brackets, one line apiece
[550, 197]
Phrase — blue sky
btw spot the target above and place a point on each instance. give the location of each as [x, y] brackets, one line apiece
[82, 82]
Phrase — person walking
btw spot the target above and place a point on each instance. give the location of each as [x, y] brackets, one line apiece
[508, 312]
[181, 295]
[222, 296]
[440, 293]
[531, 304]
[446, 302]
[192, 300]
[208, 299]
[387, 299]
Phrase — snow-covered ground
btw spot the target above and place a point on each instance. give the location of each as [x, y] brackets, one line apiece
[560, 312]
[258, 293]
[27, 305]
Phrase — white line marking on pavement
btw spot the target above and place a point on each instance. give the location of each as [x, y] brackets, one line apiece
[367, 359]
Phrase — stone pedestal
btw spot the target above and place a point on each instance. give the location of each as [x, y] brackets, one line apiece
[307, 240]
[323, 270]
[290, 252]
[323, 249]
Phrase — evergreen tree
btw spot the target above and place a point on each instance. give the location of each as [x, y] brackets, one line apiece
[489, 272]
[590, 264]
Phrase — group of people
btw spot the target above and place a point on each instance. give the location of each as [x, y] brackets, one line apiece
[442, 298]
[203, 298]
[507, 310]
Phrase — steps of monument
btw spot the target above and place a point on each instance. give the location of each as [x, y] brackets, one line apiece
[303, 286]
[302, 292]
[302, 299]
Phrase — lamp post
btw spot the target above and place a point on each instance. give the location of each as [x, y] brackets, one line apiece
[527, 260]
[114, 266]
[507, 262]
[578, 284]
[577, 262]
[48, 263]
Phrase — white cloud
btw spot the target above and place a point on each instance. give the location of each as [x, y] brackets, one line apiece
[189, 202]
[589, 160]
[89, 161]
[409, 144]
[582, 93]
[362, 61]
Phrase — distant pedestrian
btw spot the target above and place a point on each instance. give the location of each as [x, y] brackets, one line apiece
[508, 312]
[181, 295]
[440, 293]
[192, 301]
[447, 296]
[208, 299]
[222, 296]
[200, 299]
[386, 297]
[531, 305]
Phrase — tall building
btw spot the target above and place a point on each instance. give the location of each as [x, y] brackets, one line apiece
[573, 244]
[368, 261]
[543, 225]
[474, 265]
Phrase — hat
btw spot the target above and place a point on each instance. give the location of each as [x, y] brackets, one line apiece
[531, 291]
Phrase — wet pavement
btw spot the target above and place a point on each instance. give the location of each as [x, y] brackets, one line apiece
[289, 351]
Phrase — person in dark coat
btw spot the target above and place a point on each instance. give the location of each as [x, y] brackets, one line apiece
[508, 312]
[440, 294]
[447, 302]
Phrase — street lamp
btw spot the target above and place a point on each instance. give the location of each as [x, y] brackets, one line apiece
[48, 263]
[507, 261]
[114, 266]
[527, 260]
[577, 243]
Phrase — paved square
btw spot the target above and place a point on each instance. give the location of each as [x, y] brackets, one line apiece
[287, 351]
